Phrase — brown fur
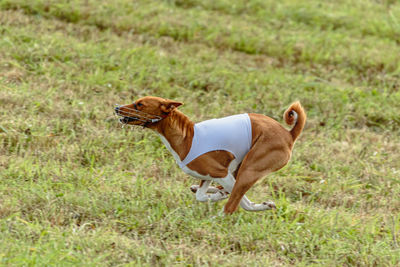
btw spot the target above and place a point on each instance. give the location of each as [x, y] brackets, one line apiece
[270, 150]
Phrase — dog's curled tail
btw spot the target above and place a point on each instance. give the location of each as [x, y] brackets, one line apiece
[295, 115]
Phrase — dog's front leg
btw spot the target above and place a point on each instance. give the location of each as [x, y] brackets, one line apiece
[201, 193]
[211, 189]
[203, 189]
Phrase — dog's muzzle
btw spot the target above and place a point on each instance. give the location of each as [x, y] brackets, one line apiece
[129, 115]
[124, 119]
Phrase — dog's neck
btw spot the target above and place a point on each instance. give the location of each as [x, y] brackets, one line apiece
[178, 129]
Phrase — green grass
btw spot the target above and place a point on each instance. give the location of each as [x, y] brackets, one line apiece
[77, 189]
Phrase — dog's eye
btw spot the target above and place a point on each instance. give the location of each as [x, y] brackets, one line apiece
[136, 105]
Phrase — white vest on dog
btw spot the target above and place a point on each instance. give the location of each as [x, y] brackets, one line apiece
[231, 134]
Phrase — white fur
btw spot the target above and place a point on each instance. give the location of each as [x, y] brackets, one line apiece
[201, 193]
[295, 116]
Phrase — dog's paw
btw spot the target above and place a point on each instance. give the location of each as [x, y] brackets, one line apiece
[269, 204]
[220, 195]
[194, 188]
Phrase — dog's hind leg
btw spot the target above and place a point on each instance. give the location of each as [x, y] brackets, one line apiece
[255, 165]
[228, 184]
[246, 204]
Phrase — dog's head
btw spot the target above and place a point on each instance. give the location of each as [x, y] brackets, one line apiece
[146, 111]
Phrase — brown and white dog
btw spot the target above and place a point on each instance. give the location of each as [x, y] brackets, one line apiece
[270, 149]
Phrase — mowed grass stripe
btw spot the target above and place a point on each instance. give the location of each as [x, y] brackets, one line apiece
[360, 17]
[293, 44]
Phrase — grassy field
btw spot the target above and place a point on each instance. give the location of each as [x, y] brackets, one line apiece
[77, 189]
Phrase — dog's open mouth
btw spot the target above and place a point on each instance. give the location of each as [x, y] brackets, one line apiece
[126, 120]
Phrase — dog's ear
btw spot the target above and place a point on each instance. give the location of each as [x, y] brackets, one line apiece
[169, 105]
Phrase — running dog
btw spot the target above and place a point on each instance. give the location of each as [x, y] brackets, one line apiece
[234, 151]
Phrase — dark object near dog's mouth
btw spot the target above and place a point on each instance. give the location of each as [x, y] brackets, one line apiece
[126, 120]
